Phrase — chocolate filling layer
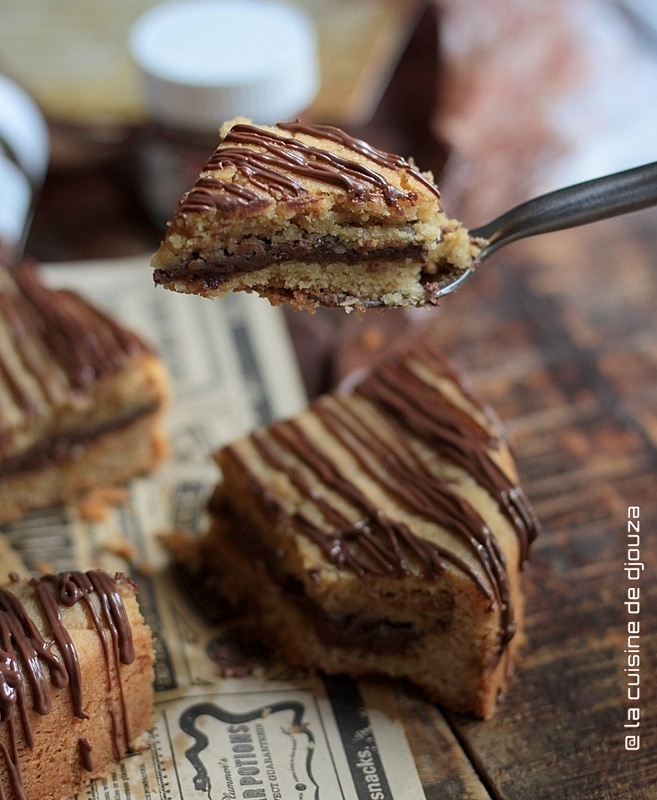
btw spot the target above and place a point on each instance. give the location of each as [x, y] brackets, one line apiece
[66, 446]
[380, 634]
[254, 254]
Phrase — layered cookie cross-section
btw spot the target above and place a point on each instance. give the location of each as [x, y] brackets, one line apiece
[308, 215]
[382, 530]
[81, 397]
[76, 681]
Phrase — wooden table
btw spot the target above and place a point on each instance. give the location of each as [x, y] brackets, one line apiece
[560, 337]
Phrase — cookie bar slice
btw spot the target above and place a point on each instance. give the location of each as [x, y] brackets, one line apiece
[308, 215]
[382, 530]
[81, 397]
[76, 688]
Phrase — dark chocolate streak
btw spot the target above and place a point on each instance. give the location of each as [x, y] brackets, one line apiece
[30, 667]
[86, 754]
[452, 434]
[80, 340]
[254, 254]
[272, 164]
[374, 543]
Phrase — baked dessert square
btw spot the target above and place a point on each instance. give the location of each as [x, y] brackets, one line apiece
[81, 398]
[383, 531]
[308, 215]
[76, 687]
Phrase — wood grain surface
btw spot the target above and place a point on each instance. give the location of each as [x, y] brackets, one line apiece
[559, 335]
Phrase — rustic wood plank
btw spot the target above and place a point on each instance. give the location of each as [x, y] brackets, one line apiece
[444, 768]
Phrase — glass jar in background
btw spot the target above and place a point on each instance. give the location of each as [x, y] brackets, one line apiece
[204, 62]
[24, 155]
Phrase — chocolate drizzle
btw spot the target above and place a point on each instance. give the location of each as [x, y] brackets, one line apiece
[269, 166]
[362, 537]
[453, 434]
[380, 157]
[34, 663]
[86, 753]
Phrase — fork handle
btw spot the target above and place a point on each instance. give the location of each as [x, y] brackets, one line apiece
[590, 201]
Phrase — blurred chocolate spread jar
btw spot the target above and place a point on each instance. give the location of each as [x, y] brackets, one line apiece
[203, 62]
[24, 154]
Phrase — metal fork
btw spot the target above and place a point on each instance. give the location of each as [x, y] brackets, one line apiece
[580, 204]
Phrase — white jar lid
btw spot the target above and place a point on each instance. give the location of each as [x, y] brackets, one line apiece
[203, 62]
